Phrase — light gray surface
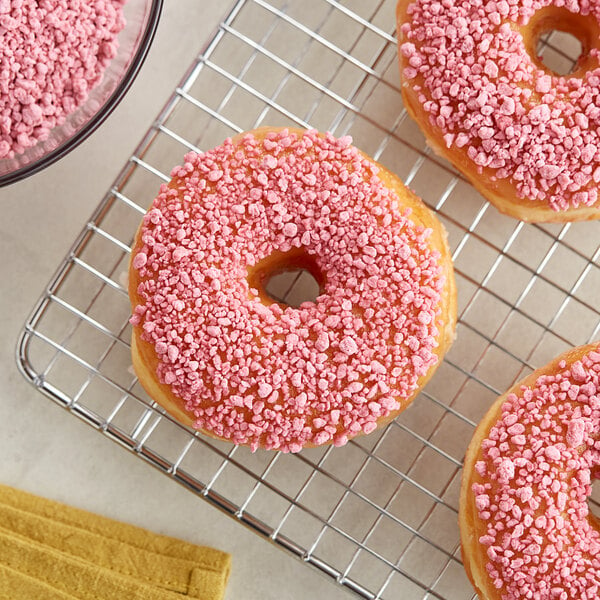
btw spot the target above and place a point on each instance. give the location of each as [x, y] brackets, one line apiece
[526, 292]
[41, 217]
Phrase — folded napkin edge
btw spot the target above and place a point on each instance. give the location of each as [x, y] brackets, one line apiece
[158, 543]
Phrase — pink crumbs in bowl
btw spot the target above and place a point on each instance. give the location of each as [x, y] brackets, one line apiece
[52, 53]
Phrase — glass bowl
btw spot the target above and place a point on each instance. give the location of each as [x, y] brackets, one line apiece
[134, 42]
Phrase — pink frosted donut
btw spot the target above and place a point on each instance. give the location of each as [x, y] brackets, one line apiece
[210, 345]
[526, 527]
[527, 138]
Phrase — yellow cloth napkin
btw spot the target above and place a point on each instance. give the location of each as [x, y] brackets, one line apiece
[50, 551]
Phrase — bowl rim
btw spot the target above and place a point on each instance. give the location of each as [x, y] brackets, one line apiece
[107, 108]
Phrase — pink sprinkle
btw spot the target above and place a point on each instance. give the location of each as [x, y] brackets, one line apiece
[576, 433]
[407, 49]
[550, 171]
[482, 502]
[179, 253]
[139, 260]
[270, 161]
[581, 121]
[322, 342]
[508, 106]
[518, 440]
[319, 423]
[410, 73]
[290, 229]
[578, 372]
[532, 549]
[348, 346]
[491, 69]
[506, 470]
[486, 133]
[588, 153]
[512, 62]
[552, 453]
[369, 427]
[264, 390]
[543, 84]
[526, 494]
[32, 114]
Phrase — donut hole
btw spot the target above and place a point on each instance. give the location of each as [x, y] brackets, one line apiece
[559, 51]
[293, 288]
[560, 41]
[289, 279]
[594, 498]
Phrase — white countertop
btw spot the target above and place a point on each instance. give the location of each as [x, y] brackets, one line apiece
[45, 450]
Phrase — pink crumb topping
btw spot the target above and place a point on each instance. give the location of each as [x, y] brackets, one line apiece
[467, 64]
[52, 53]
[538, 464]
[272, 375]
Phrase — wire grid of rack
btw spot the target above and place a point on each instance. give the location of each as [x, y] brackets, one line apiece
[380, 514]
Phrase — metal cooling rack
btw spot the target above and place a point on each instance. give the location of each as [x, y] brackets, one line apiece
[380, 514]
